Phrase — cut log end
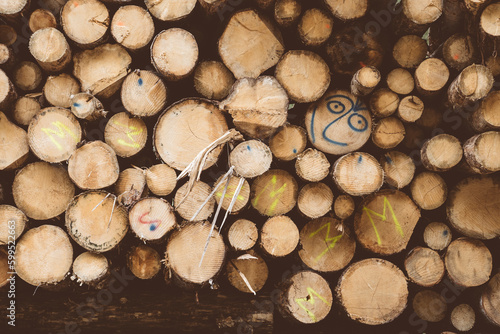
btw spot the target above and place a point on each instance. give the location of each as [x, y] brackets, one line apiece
[125, 134]
[248, 272]
[437, 236]
[151, 218]
[424, 266]
[468, 262]
[143, 93]
[399, 169]
[358, 174]
[279, 236]
[90, 268]
[315, 200]
[274, 193]
[144, 262]
[289, 142]
[243, 234]
[161, 179]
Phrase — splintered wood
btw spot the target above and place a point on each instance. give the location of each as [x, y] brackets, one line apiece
[252, 153]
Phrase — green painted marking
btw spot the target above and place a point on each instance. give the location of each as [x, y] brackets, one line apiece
[61, 132]
[310, 299]
[273, 194]
[330, 241]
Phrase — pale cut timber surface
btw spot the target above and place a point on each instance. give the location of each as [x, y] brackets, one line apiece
[125, 134]
[279, 236]
[258, 106]
[151, 218]
[50, 49]
[243, 234]
[437, 235]
[59, 89]
[42, 191]
[44, 255]
[161, 179]
[213, 80]
[186, 207]
[132, 27]
[89, 268]
[490, 300]
[315, 27]
[315, 200]
[339, 123]
[250, 44]
[194, 121]
[326, 245]
[241, 200]
[388, 132]
[358, 174]
[409, 51]
[473, 205]
[429, 190]
[27, 76]
[366, 285]
[384, 221]
[274, 193]
[424, 266]
[251, 158]
[14, 143]
[347, 10]
[482, 152]
[312, 165]
[248, 272]
[11, 219]
[170, 10]
[441, 153]
[96, 222]
[130, 186]
[143, 93]
[398, 167]
[288, 142]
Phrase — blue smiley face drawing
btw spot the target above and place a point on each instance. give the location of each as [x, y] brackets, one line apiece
[339, 123]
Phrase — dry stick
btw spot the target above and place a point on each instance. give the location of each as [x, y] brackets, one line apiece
[344, 206]
[194, 204]
[384, 221]
[315, 27]
[347, 10]
[441, 153]
[429, 306]
[185, 249]
[358, 174]
[315, 200]
[304, 75]
[424, 266]
[27, 76]
[400, 81]
[472, 207]
[365, 80]
[132, 27]
[87, 106]
[409, 51]
[468, 262]
[50, 49]
[366, 285]
[7, 91]
[388, 132]
[102, 70]
[383, 102]
[471, 85]
[286, 12]
[248, 272]
[9, 214]
[417, 15]
[463, 317]
[490, 302]
[482, 152]
[85, 22]
[410, 109]
[242, 198]
[95, 222]
[312, 165]
[161, 179]
[90, 269]
[59, 89]
[213, 80]
[459, 51]
[305, 298]
[263, 47]
[93, 166]
[151, 218]
[143, 93]
[174, 53]
[125, 134]
[251, 158]
[44, 256]
[431, 76]
[168, 10]
[486, 116]
[327, 245]
[398, 168]
[42, 191]
[15, 149]
[437, 236]
[289, 142]
[258, 106]
[364, 49]
[339, 123]
[144, 262]
[279, 236]
[274, 193]
[192, 121]
[41, 18]
[242, 234]
[130, 186]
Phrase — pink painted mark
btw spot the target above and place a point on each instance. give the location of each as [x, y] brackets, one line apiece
[153, 223]
[456, 57]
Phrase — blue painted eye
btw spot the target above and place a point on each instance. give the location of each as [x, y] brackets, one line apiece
[139, 81]
[152, 227]
[357, 122]
[335, 107]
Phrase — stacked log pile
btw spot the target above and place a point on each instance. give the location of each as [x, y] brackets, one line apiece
[214, 144]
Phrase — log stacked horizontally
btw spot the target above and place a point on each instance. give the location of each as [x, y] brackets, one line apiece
[212, 144]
